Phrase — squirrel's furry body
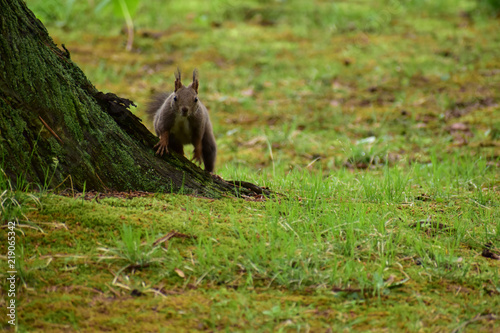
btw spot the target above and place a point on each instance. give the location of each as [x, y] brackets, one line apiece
[181, 118]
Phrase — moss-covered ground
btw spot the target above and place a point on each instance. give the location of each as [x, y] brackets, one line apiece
[377, 126]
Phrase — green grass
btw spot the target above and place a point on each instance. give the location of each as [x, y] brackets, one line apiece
[376, 125]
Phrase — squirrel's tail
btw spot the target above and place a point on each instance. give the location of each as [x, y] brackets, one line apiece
[155, 104]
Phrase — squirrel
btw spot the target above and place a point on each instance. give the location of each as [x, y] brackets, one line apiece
[180, 118]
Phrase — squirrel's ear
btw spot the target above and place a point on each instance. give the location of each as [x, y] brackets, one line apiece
[178, 83]
[195, 83]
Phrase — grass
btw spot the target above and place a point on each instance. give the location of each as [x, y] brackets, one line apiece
[376, 124]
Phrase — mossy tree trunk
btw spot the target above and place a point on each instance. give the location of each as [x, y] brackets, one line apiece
[54, 123]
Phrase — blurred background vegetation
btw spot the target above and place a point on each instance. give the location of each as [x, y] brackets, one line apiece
[336, 16]
[332, 83]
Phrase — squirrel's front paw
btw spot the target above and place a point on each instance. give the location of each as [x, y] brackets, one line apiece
[197, 157]
[162, 148]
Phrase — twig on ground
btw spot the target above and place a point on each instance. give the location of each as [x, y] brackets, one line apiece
[476, 318]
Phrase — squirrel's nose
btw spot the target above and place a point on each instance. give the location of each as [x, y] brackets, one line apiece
[184, 110]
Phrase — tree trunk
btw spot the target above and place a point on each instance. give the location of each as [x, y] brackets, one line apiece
[54, 123]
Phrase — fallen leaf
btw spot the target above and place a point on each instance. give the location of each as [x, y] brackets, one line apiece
[459, 127]
[247, 92]
[334, 103]
[180, 273]
[488, 254]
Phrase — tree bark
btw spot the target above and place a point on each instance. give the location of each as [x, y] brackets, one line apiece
[54, 123]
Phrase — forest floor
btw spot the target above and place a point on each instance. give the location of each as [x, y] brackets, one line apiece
[377, 126]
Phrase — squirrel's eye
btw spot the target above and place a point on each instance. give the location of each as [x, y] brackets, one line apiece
[196, 99]
[175, 98]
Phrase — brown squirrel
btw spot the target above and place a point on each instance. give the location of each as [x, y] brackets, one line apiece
[180, 118]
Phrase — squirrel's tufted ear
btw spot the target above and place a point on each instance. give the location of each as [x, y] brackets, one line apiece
[195, 83]
[178, 83]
